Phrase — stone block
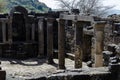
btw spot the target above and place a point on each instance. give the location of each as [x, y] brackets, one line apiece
[2, 75]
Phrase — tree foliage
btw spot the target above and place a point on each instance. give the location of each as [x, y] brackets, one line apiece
[30, 5]
[87, 7]
[2, 5]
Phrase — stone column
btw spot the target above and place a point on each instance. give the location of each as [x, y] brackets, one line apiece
[78, 44]
[4, 31]
[10, 30]
[27, 31]
[50, 40]
[40, 38]
[33, 31]
[99, 43]
[87, 47]
[61, 43]
[1, 45]
[93, 50]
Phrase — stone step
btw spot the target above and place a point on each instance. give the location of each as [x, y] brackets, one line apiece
[70, 56]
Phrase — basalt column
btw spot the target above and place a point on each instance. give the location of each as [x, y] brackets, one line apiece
[27, 26]
[10, 30]
[50, 40]
[4, 31]
[78, 44]
[99, 37]
[4, 21]
[33, 31]
[61, 43]
[41, 38]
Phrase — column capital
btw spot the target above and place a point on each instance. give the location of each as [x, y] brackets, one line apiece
[99, 25]
[50, 19]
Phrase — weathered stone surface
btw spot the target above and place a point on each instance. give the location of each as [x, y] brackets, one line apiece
[99, 35]
[79, 74]
[40, 38]
[115, 71]
[19, 9]
[50, 40]
[2, 75]
[106, 57]
[61, 43]
[78, 44]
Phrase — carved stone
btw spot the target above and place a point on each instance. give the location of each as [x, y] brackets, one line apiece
[78, 44]
[40, 38]
[61, 43]
[50, 40]
[99, 45]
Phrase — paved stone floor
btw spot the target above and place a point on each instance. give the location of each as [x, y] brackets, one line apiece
[21, 69]
[35, 68]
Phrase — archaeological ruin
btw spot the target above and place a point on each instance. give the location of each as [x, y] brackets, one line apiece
[60, 35]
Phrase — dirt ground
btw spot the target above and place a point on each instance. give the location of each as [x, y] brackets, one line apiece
[25, 69]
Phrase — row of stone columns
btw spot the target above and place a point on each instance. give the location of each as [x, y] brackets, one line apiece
[99, 43]
[9, 22]
[49, 39]
[99, 35]
[61, 41]
[4, 22]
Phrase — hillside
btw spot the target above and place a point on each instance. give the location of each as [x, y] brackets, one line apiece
[30, 5]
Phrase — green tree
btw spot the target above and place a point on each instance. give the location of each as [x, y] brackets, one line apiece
[2, 5]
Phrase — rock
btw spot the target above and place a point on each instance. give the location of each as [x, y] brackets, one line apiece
[115, 71]
[42, 78]
[89, 63]
[111, 47]
[2, 75]
[106, 57]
